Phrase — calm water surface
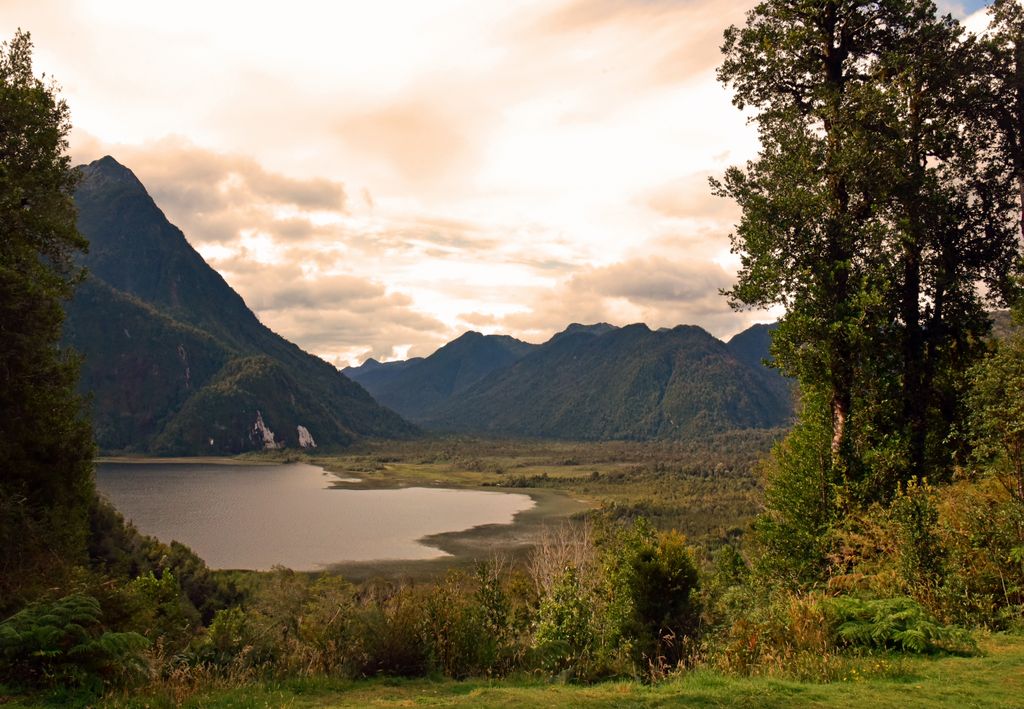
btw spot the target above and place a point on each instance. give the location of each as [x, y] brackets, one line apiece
[256, 516]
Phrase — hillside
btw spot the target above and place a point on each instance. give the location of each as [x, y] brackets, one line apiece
[602, 382]
[417, 387]
[174, 360]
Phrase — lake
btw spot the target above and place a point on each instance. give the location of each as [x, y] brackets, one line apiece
[255, 516]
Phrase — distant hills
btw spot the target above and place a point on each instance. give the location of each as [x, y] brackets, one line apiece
[417, 387]
[589, 382]
[174, 360]
[176, 364]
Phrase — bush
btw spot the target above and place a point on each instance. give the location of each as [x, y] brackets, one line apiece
[454, 632]
[63, 643]
[651, 580]
[389, 626]
[794, 532]
[893, 624]
[564, 638]
[778, 633]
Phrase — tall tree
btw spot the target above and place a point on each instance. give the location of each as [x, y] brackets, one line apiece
[807, 234]
[46, 448]
[1005, 44]
[870, 214]
[947, 217]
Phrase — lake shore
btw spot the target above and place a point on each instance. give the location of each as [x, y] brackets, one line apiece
[463, 548]
[481, 543]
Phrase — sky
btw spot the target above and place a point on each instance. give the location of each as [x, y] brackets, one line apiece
[376, 178]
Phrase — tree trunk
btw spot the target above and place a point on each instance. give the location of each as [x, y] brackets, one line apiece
[1018, 77]
[840, 412]
[915, 392]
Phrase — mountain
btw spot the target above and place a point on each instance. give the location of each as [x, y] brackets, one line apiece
[592, 382]
[417, 387]
[752, 346]
[627, 383]
[173, 359]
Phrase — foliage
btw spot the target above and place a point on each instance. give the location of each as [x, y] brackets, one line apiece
[997, 414]
[801, 502]
[564, 637]
[627, 383]
[893, 623]
[924, 682]
[45, 441]
[651, 583]
[117, 549]
[920, 555]
[871, 212]
[629, 606]
[63, 642]
[980, 526]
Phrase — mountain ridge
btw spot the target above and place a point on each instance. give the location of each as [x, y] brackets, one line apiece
[598, 381]
[205, 346]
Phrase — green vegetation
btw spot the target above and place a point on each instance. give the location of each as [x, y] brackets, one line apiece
[888, 681]
[888, 561]
[626, 383]
[416, 387]
[594, 382]
[61, 643]
[45, 440]
[876, 206]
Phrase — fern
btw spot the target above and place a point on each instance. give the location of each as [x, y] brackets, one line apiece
[63, 643]
[893, 624]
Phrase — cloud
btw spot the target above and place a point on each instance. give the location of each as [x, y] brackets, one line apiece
[375, 179]
[421, 139]
[660, 291]
[342, 318]
[690, 197]
[653, 281]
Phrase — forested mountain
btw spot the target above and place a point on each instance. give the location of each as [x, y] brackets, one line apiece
[417, 387]
[175, 361]
[590, 382]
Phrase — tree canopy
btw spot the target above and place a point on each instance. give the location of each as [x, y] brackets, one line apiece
[881, 212]
[46, 445]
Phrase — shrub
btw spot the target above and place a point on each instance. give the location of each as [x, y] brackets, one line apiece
[454, 632]
[652, 583]
[893, 624]
[778, 633]
[326, 627]
[389, 626]
[63, 643]
[564, 638]
[794, 532]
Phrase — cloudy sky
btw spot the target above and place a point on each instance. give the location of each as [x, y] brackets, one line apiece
[376, 178]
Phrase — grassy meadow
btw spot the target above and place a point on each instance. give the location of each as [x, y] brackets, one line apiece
[993, 678]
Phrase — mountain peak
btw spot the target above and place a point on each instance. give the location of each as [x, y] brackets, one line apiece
[468, 336]
[109, 169]
[597, 329]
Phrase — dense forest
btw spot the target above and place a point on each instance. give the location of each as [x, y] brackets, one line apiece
[884, 211]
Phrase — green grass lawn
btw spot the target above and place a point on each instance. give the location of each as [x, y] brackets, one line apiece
[994, 678]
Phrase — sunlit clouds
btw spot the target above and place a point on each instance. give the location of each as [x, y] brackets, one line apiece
[377, 178]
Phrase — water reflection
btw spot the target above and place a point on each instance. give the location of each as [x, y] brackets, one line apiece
[256, 516]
